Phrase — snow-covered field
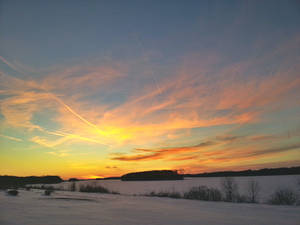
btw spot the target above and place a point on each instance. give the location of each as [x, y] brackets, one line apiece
[65, 207]
[68, 208]
[268, 184]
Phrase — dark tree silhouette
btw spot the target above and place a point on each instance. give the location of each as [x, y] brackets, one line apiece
[230, 189]
[253, 189]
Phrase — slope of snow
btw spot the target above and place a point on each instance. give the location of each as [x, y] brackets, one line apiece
[31, 207]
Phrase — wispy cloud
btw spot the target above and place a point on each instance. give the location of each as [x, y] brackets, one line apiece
[234, 156]
[107, 105]
[187, 98]
[231, 158]
[61, 153]
[274, 150]
[11, 138]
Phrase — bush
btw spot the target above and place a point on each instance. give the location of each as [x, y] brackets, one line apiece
[230, 189]
[242, 199]
[203, 193]
[27, 188]
[284, 196]
[172, 194]
[12, 192]
[94, 189]
[51, 188]
[48, 192]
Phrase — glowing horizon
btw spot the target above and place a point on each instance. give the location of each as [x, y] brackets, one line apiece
[103, 95]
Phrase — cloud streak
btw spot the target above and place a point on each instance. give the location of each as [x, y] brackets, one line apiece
[112, 109]
[11, 138]
[150, 154]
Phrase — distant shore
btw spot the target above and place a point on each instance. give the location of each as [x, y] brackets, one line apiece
[14, 181]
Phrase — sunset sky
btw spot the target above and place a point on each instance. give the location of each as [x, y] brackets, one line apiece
[102, 88]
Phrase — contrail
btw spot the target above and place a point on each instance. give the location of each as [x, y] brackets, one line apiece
[156, 83]
[154, 80]
[10, 65]
[76, 114]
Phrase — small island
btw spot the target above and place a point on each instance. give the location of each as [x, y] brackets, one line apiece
[153, 175]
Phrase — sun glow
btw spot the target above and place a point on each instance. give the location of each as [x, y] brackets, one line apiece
[164, 94]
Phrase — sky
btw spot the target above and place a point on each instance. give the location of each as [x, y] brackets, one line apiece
[102, 88]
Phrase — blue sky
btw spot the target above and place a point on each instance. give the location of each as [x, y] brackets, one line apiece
[50, 33]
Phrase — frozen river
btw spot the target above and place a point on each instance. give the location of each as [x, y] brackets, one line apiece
[268, 184]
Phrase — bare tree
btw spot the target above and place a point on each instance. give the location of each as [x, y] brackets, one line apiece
[230, 188]
[284, 196]
[253, 189]
[73, 186]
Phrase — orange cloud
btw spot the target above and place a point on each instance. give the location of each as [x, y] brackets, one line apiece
[162, 153]
[181, 103]
[236, 156]
[237, 159]
[188, 100]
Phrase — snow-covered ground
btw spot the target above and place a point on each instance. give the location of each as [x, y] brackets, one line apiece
[71, 208]
[268, 184]
[65, 207]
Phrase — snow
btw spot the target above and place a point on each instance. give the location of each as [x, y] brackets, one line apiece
[31, 207]
[65, 207]
[268, 184]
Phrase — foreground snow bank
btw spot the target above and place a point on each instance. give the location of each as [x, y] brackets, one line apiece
[31, 207]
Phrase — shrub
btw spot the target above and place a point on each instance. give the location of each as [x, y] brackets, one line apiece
[284, 196]
[203, 193]
[27, 188]
[93, 189]
[253, 189]
[230, 189]
[73, 186]
[12, 192]
[45, 187]
[48, 192]
[242, 199]
[166, 194]
[51, 188]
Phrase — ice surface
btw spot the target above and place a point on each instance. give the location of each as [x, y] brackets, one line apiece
[268, 184]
